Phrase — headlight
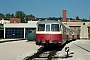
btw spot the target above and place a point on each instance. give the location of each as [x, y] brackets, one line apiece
[55, 42]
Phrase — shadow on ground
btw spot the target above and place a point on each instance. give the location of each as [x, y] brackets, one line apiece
[58, 49]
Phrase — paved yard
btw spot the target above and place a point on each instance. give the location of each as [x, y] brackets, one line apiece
[17, 50]
[81, 50]
[13, 49]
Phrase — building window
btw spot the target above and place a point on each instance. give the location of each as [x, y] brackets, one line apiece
[83, 23]
[14, 33]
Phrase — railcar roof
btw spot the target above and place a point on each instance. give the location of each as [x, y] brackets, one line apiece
[49, 22]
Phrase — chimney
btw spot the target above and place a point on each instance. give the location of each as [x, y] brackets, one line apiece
[64, 16]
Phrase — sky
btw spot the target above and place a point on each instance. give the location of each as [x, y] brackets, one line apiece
[47, 8]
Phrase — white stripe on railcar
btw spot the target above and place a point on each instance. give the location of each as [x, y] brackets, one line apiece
[48, 32]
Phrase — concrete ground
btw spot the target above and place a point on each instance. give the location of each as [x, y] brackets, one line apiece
[81, 50]
[17, 50]
[14, 48]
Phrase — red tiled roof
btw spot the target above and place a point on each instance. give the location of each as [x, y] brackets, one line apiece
[74, 21]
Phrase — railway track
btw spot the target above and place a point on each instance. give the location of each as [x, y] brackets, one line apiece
[52, 53]
[45, 56]
[36, 55]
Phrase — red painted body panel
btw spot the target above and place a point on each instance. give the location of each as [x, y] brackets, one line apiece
[72, 36]
[67, 37]
[49, 37]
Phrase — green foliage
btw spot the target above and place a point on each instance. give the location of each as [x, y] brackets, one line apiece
[30, 16]
[54, 18]
[12, 15]
[71, 18]
[21, 15]
[77, 18]
[8, 15]
[85, 20]
[2, 15]
[24, 18]
[51, 18]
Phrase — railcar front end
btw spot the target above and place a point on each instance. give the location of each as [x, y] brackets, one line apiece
[48, 35]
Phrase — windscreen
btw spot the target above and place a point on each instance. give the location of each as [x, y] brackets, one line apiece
[55, 27]
[47, 27]
[41, 27]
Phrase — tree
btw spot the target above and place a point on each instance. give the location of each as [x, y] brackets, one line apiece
[60, 18]
[83, 20]
[77, 18]
[21, 15]
[71, 18]
[12, 15]
[2, 15]
[32, 16]
[50, 18]
[8, 15]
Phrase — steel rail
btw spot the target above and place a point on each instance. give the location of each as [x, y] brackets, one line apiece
[52, 53]
[34, 56]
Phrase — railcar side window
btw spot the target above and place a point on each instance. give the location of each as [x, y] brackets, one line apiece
[41, 27]
[55, 27]
[47, 27]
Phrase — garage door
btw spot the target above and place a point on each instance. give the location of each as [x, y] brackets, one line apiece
[77, 29]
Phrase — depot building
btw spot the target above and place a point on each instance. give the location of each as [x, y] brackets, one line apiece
[19, 30]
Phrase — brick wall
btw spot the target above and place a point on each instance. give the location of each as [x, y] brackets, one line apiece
[15, 20]
[64, 16]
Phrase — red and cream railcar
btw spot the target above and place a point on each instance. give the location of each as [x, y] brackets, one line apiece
[51, 32]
